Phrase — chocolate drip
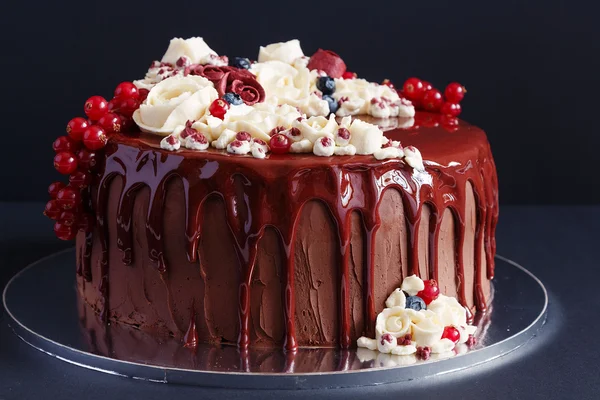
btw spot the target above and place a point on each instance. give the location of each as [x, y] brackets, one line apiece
[271, 193]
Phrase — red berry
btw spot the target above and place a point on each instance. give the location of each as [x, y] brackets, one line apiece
[94, 138]
[426, 86]
[95, 107]
[126, 90]
[142, 94]
[87, 160]
[451, 333]
[69, 218]
[388, 83]
[451, 109]
[76, 127]
[219, 108]
[52, 210]
[113, 105]
[65, 162]
[65, 143]
[80, 179]
[111, 123]
[430, 292]
[455, 92]
[349, 75]
[86, 222]
[64, 232]
[413, 89]
[432, 100]
[449, 123]
[68, 198]
[280, 144]
[126, 106]
[54, 188]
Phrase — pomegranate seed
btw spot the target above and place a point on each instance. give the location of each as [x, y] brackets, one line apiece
[80, 179]
[413, 89]
[455, 92]
[87, 160]
[451, 333]
[423, 353]
[68, 198]
[127, 106]
[111, 123]
[95, 107]
[69, 218]
[65, 143]
[52, 210]
[76, 127]
[432, 100]
[86, 222]
[54, 188]
[65, 162]
[64, 232]
[126, 90]
[280, 144]
[451, 109]
[142, 94]
[219, 108]
[94, 138]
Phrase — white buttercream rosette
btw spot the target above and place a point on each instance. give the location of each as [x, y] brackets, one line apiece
[173, 102]
[286, 52]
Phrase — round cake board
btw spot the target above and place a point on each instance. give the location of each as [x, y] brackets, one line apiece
[44, 311]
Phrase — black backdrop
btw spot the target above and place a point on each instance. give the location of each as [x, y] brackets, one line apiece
[530, 68]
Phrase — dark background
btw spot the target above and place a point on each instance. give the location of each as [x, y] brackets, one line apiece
[530, 68]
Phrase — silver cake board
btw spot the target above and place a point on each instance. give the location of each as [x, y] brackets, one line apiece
[43, 310]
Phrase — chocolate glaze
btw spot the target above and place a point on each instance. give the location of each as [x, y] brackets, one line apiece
[284, 198]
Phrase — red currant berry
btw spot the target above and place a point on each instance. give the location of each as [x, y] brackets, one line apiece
[449, 123]
[54, 188]
[113, 105]
[126, 90]
[64, 232]
[432, 100]
[349, 75]
[52, 210]
[80, 179]
[455, 92]
[69, 218]
[127, 106]
[95, 107]
[451, 333]
[65, 143]
[68, 198]
[426, 86]
[219, 108]
[142, 94]
[65, 162]
[430, 292]
[451, 109]
[280, 144]
[111, 123]
[94, 138]
[86, 222]
[413, 89]
[87, 160]
[388, 83]
[76, 127]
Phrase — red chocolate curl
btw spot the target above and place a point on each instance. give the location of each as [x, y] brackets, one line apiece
[234, 80]
[328, 61]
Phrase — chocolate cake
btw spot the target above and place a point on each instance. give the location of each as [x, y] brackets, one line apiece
[212, 203]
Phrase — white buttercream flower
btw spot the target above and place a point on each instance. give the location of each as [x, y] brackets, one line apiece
[442, 346]
[170, 142]
[286, 52]
[239, 147]
[314, 128]
[367, 343]
[195, 49]
[386, 342]
[394, 320]
[324, 147]
[365, 137]
[412, 285]
[396, 299]
[226, 137]
[259, 148]
[427, 328]
[173, 102]
[302, 146]
[196, 141]
[449, 310]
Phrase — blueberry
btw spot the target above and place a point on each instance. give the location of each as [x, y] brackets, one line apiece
[233, 99]
[333, 104]
[240, 62]
[416, 303]
[326, 85]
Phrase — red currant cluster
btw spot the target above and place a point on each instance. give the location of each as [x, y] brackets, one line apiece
[77, 155]
[425, 97]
